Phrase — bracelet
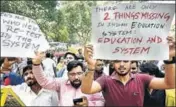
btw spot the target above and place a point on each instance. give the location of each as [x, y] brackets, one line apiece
[170, 62]
[36, 64]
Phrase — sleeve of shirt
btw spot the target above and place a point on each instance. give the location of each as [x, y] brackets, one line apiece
[101, 81]
[46, 83]
[146, 79]
[96, 100]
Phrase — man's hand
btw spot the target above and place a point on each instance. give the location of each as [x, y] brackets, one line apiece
[84, 103]
[171, 42]
[38, 58]
[88, 54]
[7, 65]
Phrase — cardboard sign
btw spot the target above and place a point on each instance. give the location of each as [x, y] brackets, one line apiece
[135, 31]
[20, 36]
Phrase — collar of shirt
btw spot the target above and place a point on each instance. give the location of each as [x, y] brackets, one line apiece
[68, 82]
[113, 76]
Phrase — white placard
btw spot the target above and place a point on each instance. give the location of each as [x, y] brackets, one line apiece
[135, 31]
[20, 36]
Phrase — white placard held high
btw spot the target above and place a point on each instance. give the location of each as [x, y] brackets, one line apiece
[20, 36]
[135, 31]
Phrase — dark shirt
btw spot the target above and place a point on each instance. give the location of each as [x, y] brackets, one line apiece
[97, 75]
[156, 99]
[131, 94]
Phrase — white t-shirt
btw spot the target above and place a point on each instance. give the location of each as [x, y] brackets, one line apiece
[29, 98]
[48, 65]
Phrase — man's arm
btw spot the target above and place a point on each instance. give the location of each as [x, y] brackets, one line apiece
[89, 86]
[47, 83]
[169, 80]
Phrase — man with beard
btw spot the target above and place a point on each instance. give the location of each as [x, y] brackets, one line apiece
[31, 93]
[123, 88]
[68, 89]
[99, 69]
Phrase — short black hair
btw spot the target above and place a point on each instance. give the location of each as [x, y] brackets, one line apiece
[74, 64]
[29, 61]
[151, 68]
[48, 55]
[28, 67]
[137, 64]
[67, 53]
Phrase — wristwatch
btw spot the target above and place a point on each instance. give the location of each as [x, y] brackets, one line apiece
[170, 62]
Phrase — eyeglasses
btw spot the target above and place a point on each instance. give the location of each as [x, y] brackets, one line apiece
[74, 74]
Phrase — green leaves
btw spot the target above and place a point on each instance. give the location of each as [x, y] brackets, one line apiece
[71, 23]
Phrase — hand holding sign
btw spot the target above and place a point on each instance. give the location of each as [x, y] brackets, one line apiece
[88, 53]
[38, 58]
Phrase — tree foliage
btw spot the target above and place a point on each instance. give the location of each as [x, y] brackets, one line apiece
[71, 23]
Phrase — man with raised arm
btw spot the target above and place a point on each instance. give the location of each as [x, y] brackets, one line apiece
[123, 88]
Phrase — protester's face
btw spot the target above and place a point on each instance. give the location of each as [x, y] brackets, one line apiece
[29, 78]
[80, 51]
[75, 76]
[122, 67]
[69, 58]
[134, 68]
[99, 65]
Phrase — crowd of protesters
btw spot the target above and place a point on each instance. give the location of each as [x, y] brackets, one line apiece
[47, 80]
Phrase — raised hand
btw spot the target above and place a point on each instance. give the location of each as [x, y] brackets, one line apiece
[7, 64]
[88, 54]
[38, 58]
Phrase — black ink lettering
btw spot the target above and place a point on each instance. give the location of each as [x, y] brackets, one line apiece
[35, 46]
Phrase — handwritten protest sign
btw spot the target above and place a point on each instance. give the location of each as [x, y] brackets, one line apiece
[20, 36]
[135, 31]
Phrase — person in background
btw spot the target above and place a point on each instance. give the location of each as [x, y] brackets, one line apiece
[68, 89]
[134, 67]
[153, 97]
[99, 69]
[49, 66]
[106, 67]
[31, 93]
[161, 66]
[61, 64]
[111, 67]
[69, 56]
[9, 77]
[80, 53]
